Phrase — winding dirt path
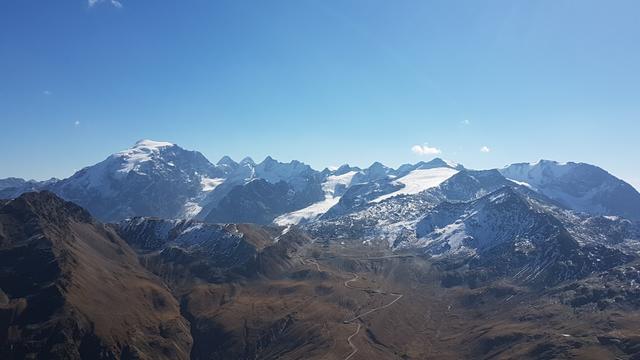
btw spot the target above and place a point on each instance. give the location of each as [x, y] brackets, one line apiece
[347, 284]
[353, 347]
[398, 297]
[313, 262]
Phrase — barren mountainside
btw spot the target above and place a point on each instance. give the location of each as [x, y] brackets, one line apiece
[72, 288]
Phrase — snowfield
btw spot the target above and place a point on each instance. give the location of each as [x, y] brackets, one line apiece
[314, 211]
[210, 184]
[141, 152]
[522, 183]
[419, 180]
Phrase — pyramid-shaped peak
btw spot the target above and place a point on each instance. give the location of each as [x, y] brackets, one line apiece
[226, 160]
[247, 161]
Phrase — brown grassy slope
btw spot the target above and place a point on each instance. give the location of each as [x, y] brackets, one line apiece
[300, 315]
[74, 289]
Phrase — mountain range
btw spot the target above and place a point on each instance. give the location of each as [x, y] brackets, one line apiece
[156, 252]
[162, 179]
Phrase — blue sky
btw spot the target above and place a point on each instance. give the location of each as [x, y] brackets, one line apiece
[323, 81]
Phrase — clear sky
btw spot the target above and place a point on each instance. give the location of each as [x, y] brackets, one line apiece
[322, 81]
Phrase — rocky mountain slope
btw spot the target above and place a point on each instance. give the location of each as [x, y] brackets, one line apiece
[213, 252]
[394, 219]
[150, 179]
[12, 187]
[579, 186]
[71, 288]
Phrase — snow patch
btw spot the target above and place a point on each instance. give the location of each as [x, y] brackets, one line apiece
[498, 198]
[453, 164]
[190, 210]
[152, 144]
[315, 210]
[521, 183]
[209, 184]
[192, 227]
[141, 152]
[284, 232]
[311, 212]
[419, 180]
[333, 181]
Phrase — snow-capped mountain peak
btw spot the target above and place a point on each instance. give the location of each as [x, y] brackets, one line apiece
[378, 170]
[343, 169]
[157, 178]
[247, 161]
[578, 186]
[227, 162]
[539, 172]
[147, 143]
[136, 181]
[498, 217]
[295, 172]
[436, 163]
[142, 151]
[269, 161]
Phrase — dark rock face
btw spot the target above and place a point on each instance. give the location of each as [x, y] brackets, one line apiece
[187, 241]
[12, 187]
[469, 185]
[615, 288]
[303, 187]
[71, 289]
[555, 260]
[11, 182]
[358, 196]
[260, 201]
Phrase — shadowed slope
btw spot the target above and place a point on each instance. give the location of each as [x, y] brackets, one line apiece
[71, 288]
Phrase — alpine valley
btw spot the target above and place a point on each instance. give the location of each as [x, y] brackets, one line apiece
[158, 253]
